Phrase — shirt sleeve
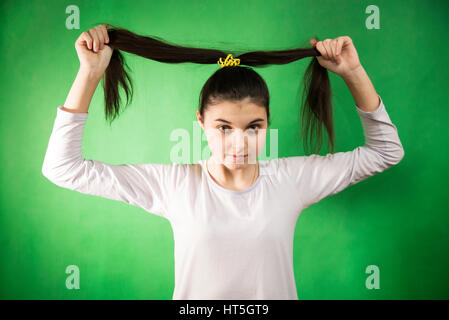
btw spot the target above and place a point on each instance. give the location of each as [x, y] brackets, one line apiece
[315, 177]
[144, 185]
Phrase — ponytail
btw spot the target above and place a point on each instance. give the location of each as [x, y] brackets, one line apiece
[228, 83]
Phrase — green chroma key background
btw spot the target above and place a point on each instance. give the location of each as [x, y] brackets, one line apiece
[397, 220]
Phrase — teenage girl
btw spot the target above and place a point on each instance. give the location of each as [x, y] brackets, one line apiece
[233, 216]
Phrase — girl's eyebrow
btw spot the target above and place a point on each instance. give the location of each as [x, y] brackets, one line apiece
[226, 121]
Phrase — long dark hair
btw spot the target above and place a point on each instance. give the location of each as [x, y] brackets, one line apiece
[227, 83]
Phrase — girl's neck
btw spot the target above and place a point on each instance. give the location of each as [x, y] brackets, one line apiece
[235, 179]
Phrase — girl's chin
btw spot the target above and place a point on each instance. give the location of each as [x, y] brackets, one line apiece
[236, 162]
[230, 161]
[235, 165]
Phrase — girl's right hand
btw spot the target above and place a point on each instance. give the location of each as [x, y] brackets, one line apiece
[92, 49]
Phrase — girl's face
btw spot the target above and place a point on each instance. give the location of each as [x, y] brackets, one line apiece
[235, 131]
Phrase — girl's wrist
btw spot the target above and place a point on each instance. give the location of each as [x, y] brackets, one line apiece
[90, 73]
[355, 75]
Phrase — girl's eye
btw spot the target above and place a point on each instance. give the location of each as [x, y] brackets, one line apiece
[256, 128]
[224, 130]
[252, 129]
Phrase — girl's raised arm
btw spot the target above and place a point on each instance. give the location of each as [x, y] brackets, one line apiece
[145, 185]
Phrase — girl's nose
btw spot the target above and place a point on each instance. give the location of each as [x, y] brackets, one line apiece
[240, 140]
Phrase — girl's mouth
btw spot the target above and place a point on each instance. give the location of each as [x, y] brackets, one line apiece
[239, 156]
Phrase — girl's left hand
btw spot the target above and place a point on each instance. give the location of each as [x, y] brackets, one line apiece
[337, 55]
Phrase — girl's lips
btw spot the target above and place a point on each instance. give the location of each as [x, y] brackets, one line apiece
[238, 157]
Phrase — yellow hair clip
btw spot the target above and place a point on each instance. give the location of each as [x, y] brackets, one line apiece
[230, 61]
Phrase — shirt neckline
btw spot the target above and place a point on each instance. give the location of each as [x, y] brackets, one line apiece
[261, 172]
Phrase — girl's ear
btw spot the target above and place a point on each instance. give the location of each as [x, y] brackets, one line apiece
[199, 118]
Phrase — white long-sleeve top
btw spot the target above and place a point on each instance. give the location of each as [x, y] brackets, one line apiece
[228, 244]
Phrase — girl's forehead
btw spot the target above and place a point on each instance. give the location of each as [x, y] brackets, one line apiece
[234, 103]
[232, 109]
[236, 119]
